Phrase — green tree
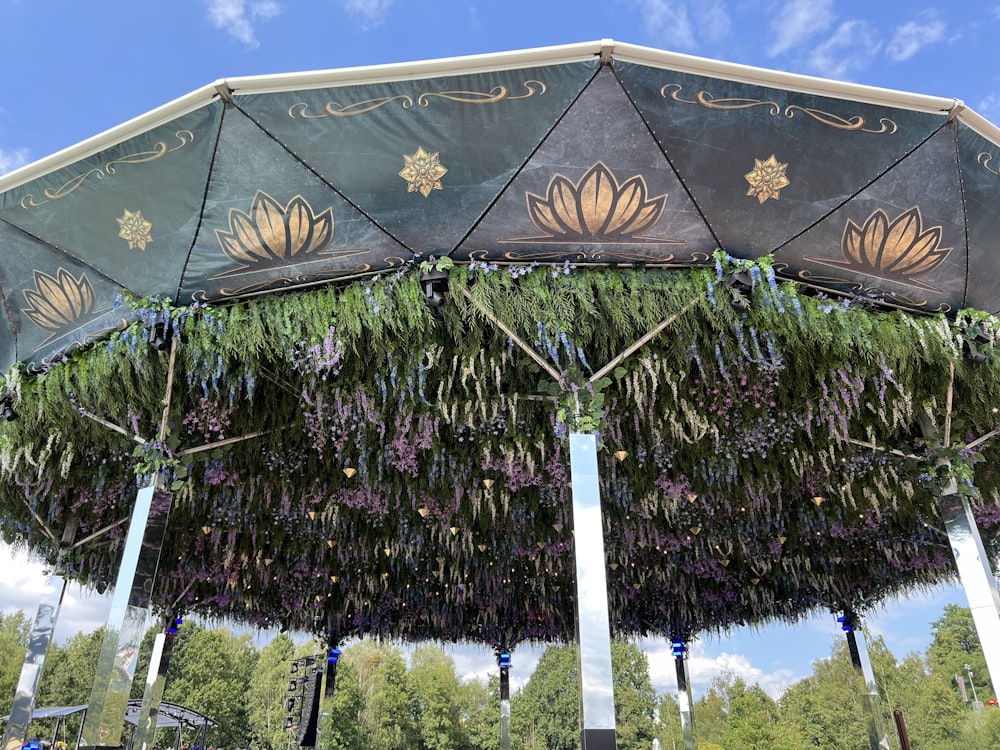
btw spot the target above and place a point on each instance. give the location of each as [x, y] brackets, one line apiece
[269, 691]
[211, 669]
[545, 713]
[754, 721]
[434, 686]
[635, 699]
[709, 712]
[387, 707]
[479, 713]
[668, 725]
[341, 727]
[14, 630]
[956, 644]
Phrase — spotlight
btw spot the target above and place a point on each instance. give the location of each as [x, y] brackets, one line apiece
[846, 622]
[334, 656]
[435, 284]
[295, 667]
[975, 337]
[741, 283]
[290, 704]
[289, 723]
[7, 407]
[159, 336]
[101, 586]
[677, 648]
[293, 685]
[973, 353]
[503, 659]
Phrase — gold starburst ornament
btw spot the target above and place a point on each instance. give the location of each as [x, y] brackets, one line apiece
[423, 172]
[767, 179]
[134, 229]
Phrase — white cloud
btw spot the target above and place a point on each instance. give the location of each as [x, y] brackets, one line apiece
[11, 160]
[237, 17]
[848, 51]
[371, 13]
[713, 19]
[668, 20]
[797, 21]
[702, 669]
[82, 611]
[989, 107]
[927, 28]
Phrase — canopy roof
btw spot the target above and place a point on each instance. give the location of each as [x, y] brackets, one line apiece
[850, 187]
[346, 458]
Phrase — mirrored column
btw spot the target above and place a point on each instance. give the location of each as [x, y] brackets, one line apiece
[503, 661]
[102, 727]
[877, 737]
[156, 681]
[684, 701]
[976, 576]
[597, 699]
[34, 659]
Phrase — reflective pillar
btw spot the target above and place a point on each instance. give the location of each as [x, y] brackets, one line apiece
[597, 699]
[102, 728]
[684, 701]
[156, 681]
[34, 658]
[976, 576]
[877, 737]
[503, 661]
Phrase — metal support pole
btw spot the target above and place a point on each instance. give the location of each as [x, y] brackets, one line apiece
[877, 737]
[102, 727]
[503, 661]
[34, 658]
[684, 702]
[597, 699]
[156, 681]
[973, 563]
[976, 576]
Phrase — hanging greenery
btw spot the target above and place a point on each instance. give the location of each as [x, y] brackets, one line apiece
[353, 460]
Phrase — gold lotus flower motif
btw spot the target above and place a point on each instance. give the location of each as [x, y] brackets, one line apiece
[58, 300]
[767, 179]
[900, 248]
[597, 208]
[134, 229]
[423, 172]
[274, 233]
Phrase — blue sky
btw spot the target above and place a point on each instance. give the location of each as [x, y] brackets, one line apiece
[72, 71]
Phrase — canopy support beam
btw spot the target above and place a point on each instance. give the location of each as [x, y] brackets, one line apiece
[860, 659]
[685, 704]
[102, 727]
[593, 632]
[38, 644]
[156, 680]
[974, 570]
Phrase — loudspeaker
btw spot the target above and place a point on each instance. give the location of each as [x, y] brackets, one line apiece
[306, 736]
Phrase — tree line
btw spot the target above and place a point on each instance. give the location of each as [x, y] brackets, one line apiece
[386, 701]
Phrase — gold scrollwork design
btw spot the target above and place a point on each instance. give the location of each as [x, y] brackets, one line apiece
[285, 282]
[159, 150]
[984, 158]
[856, 123]
[843, 123]
[300, 110]
[708, 101]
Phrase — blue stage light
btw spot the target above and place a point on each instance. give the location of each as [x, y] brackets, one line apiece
[334, 656]
[503, 659]
[677, 648]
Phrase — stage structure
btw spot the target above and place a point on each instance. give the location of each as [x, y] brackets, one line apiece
[328, 350]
